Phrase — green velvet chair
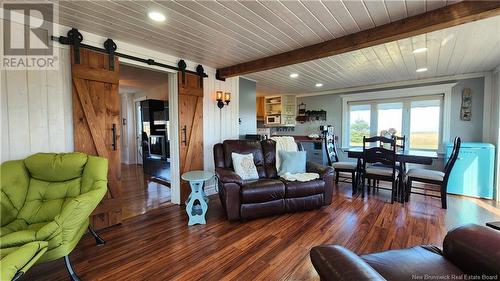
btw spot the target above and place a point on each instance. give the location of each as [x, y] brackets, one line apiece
[49, 197]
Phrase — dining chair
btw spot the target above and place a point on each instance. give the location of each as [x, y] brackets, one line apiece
[400, 142]
[400, 146]
[433, 177]
[378, 154]
[339, 167]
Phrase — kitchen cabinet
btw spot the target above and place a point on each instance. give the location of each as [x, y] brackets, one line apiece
[282, 108]
[261, 112]
[316, 152]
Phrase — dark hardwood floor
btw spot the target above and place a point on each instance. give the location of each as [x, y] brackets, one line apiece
[160, 246]
[141, 196]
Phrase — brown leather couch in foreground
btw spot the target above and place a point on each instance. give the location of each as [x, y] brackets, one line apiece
[470, 252]
[269, 195]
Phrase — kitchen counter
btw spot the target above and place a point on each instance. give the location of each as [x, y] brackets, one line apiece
[307, 139]
[314, 147]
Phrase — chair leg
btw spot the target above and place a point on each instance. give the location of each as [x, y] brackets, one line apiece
[408, 190]
[443, 197]
[71, 271]
[399, 191]
[17, 276]
[392, 192]
[354, 183]
[362, 186]
[98, 239]
[337, 175]
[402, 184]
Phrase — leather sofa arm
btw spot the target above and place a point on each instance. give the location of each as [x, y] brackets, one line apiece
[475, 249]
[334, 262]
[229, 192]
[323, 171]
[228, 176]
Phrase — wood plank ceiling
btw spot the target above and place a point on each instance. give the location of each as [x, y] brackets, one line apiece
[222, 33]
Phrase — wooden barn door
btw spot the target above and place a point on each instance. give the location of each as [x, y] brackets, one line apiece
[96, 120]
[190, 126]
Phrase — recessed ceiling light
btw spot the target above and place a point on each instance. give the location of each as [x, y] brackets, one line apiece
[422, 69]
[157, 16]
[419, 50]
[318, 85]
[294, 75]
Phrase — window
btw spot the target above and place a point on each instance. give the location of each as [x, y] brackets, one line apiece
[390, 118]
[417, 118]
[359, 117]
[424, 124]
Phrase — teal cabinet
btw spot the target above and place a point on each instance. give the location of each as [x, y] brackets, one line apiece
[473, 172]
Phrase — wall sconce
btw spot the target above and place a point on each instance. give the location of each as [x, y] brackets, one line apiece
[222, 97]
[218, 98]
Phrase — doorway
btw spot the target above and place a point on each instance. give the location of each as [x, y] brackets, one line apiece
[146, 159]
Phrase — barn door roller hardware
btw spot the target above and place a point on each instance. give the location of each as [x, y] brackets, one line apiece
[200, 71]
[75, 38]
[182, 68]
[110, 47]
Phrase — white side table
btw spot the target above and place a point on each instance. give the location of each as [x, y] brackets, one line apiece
[196, 180]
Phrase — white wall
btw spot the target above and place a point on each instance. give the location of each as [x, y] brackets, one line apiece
[128, 129]
[158, 92]
[124, 139]
[247, 111]
[36, 110]
[36, 113]
[495, 125]
[218, 124]
[469, 131]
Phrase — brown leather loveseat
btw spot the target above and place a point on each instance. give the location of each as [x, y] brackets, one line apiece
[470, 252]
[269, 195]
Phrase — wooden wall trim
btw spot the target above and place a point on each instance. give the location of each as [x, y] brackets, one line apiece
[449, 16]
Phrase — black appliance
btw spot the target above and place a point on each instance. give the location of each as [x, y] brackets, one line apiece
[154, 124]
[156, 144]
[255, 137]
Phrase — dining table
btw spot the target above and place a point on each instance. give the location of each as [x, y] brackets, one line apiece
[408, 156]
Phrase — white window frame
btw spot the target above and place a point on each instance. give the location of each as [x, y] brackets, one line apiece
[405, 95]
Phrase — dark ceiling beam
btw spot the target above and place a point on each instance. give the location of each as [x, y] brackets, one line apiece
[441, 18]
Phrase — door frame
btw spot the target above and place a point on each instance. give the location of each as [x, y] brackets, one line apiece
[136, 136]
[173, 115]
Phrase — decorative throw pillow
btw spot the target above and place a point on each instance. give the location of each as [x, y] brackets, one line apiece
[244, 166]
[292, 162]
